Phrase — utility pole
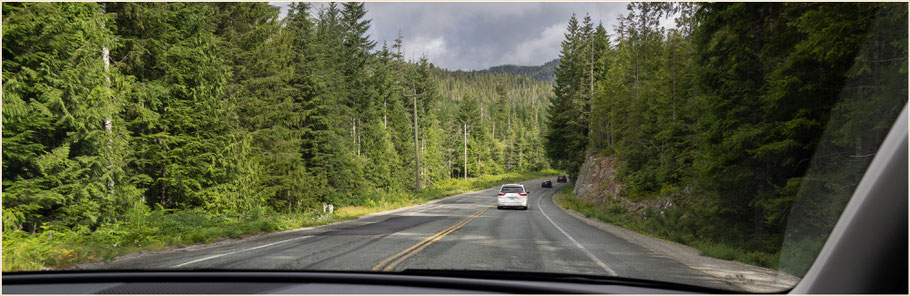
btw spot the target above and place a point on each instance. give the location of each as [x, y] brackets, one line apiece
[416, 142]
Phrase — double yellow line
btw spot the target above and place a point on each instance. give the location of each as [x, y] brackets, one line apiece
[391, 262]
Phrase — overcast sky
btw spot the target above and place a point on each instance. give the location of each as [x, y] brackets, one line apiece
[474, 36]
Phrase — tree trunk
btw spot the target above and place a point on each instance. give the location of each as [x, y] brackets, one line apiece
[108, 120]
[355, 135]
[416, 147]
[758, 220]
[591, 78]
[163, 188]
[465, 152]
[520, 155]
[479, 171]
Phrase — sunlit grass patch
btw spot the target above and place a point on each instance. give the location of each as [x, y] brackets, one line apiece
[357, 211]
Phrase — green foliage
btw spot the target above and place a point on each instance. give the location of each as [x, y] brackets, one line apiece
[876, 83]
[543, 72]
[758, 118]
[506, 121]
[228, 120]
[65, 146]
[673, 224]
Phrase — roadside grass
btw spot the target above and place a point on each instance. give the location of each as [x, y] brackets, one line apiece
[150, 230]
[664, 226]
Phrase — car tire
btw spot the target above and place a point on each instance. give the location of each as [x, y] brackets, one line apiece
[498, 208]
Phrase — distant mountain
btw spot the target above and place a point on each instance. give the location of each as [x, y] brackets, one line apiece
[543, 72]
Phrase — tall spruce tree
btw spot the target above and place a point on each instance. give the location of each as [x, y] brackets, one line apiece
[65, 145]
[567, 137]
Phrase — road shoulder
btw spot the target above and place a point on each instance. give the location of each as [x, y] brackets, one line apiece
[748, 277]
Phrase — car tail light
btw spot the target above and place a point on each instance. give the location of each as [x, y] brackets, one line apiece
[523, 194]
[502, 193]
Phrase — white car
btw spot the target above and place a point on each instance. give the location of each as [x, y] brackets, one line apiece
[512, 195]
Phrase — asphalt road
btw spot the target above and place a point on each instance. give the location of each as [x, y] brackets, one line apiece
[465, 231]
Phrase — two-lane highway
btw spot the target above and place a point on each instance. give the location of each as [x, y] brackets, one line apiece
[462, 232]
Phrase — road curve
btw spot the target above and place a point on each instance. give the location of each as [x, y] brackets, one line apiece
[461, 232]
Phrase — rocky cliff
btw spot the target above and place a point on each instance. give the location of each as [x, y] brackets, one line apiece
[597, 181]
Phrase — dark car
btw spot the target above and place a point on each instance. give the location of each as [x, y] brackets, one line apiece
[546, 184]
[561, 179]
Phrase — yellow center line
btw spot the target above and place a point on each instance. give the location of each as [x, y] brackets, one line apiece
[378, 266]
[401, 256]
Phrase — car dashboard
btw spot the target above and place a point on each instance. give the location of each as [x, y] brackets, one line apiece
[255, 282]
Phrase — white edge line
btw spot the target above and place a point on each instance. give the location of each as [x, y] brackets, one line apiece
[238, 251]
[590, 255]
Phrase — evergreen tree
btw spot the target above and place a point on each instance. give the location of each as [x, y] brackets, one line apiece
[567, 137]
[65, 145]
[875, 83]
[115, 109]
[724, 114]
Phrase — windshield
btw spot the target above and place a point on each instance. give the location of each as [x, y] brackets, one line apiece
[709, 144]
[512, 190]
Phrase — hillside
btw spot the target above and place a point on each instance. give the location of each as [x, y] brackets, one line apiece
[543, 72]
[505, 114]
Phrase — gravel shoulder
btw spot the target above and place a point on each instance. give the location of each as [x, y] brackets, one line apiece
[748, 277]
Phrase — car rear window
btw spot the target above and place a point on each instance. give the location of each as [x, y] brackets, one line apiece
[512, 189]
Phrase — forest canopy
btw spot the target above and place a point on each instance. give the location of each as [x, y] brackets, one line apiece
[737, 114]
[110, 108]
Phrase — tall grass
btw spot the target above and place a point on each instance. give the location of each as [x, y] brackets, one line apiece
[144, 229]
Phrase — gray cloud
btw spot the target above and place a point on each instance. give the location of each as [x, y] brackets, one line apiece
[478, 35]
